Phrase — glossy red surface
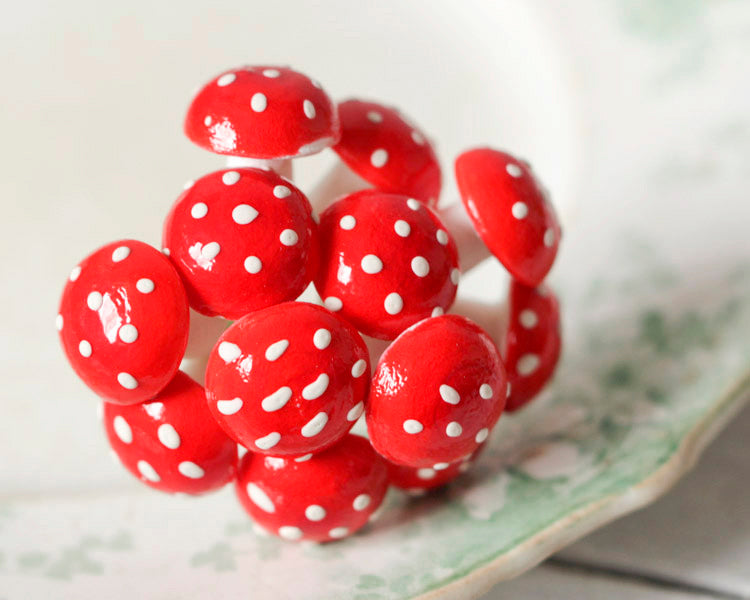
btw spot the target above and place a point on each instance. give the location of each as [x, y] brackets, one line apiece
[415, 480]
[510, 211]
[375, 246]
[172, 443]
[241, 239]
[436, 393]
[533, 342]
[288, 380]
[124, 321]
[262, 112]
[372, 134]
[327, 497]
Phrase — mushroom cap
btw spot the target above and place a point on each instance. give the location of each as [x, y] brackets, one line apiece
[124, 321]
[533, 342]
[171, 443]
[241, 239]
[380, 145]
[413, 479]
[323, 498]
[510, 211]
[386, 262]
[268, 112]
[288, 380]
[436, 393]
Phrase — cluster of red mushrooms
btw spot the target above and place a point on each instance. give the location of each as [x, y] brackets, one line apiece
[377, 260]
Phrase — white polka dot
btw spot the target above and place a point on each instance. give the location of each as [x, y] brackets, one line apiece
[442, 237]
[549, 237]
[442, 466]
[281, 191]
[316, 84]
[165, 251]
[426, 473]
[355, 412]
[402, 228]
[371, 264]
[454, 429]
[508, 390]
[333, 303]
[268, 441]
[374, 116]
[230, 177]
[417, 137]
[207, 121]
[271, 73]
[75, 273]
[190, 470]
[289, 237]
[229, 407]
[253, 265]
[260, 498]
[309, 109]
[449, 394]
[258, 102]
[94, 300]
[229, 351]
[420, 266]
[277, 400]
[481, 435]
[379, 158]
[210, 250]
[59, 322]
[120, 253]
[413, 204]
[463, 467]
[168, 436]
[485, 391]
[361, 502]
[188, 184]
[317, 388]
[128, 333]
[321, 339]
[412, 426]
[527, 364]
[347, 222]
[84, 348]
[148, 471]
[438, 311]
[303, 458]
[122, 430]
[455, 276]
[513, 170]
[276, 350]
[393, 303]
[199, 210]
[359, 368]
[528, 318]
[338, 532]
[242, 214]
[144, 285]
[315, 512]
[226, 79]
[289, 532]
[315, 425]
[520, 210]
[127, 381]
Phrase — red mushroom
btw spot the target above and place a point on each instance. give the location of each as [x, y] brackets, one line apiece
[436, 394]
[380, 148]
[171, 442]
[288, 380]
[242, 240]
[417, 480]
[509, 210]
[324, 498]
[532, 343]
[386, 262]
[123, 321]
[263, 115]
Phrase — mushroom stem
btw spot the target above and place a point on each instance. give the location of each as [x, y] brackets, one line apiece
[471, 249]
[340, 180]
[282, 166]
